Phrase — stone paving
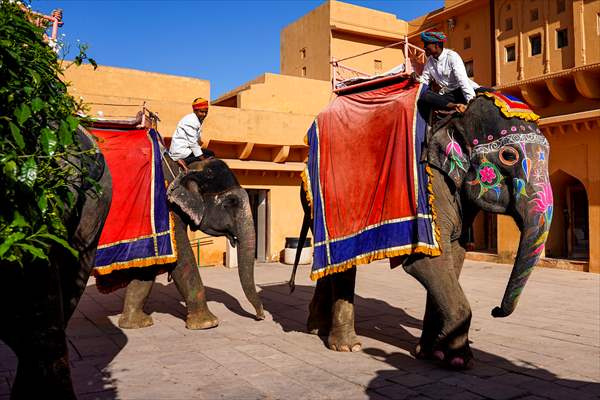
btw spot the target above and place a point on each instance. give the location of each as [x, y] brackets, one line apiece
[548, 349]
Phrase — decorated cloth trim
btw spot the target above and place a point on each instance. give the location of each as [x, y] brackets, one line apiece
[139, 230]
[511, 106]
[378, 205]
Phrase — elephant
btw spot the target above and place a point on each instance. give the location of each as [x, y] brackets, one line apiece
[208, 198]
[479, 160]
[38, 299]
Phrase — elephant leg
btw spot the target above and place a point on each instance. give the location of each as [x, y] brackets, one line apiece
[447, 304]
[320, 308]
[342, 336]
[432, 325]
[133, 316]
[189, 283]
[458, 254]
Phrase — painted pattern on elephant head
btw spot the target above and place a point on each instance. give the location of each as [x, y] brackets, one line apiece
[506, 173]
[488, 178]
[528, 151]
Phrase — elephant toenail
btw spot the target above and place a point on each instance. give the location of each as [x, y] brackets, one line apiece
[439, 355]
[457, 362]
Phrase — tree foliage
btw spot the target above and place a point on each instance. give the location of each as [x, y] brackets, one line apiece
[38, 126]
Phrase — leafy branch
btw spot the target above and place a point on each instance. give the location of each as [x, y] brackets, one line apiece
[38, 144]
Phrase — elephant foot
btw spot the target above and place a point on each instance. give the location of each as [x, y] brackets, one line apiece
[204, 320]
[260, 314]
[459, 359]
[135, 320]
[343, 339]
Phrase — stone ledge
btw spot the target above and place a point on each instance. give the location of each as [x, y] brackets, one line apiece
[571, 265]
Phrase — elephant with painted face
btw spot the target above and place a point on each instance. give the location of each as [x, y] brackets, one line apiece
[38, 299]
[480, 160]
[208, 198]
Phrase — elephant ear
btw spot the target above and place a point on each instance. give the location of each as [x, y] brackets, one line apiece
[447, 151]
[184, 192]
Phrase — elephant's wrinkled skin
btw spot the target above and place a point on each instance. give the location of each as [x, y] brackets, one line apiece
[38, 300]
[480, 161]
[208, 198]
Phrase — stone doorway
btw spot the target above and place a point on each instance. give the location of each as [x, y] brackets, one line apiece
[569, 234]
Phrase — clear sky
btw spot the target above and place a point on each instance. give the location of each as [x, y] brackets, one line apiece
[226, 42]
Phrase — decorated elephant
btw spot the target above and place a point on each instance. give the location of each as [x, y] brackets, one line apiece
[480, 160]
[38, 299]
[208, 198]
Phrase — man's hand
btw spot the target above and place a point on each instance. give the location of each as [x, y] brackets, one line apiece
[456, 107]
[183, 165]
[460, 108]
[434, 86]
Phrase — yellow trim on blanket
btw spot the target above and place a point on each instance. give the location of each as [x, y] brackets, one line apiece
[146, 261]
[374, 256]
[437, 237]
[137, 263]
[367, 258]
[306, 187]
[526, 115]
[151, 236]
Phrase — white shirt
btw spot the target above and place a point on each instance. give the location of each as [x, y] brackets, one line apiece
[448, 71]
[186, 137]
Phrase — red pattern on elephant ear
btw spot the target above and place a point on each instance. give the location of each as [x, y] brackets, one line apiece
[188, 199]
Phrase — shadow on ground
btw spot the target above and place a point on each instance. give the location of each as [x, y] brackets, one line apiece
[94, 342]
[492, 376]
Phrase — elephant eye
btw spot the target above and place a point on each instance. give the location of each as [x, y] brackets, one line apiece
[509, 156]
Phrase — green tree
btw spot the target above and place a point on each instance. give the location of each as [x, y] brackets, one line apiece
[38, 125]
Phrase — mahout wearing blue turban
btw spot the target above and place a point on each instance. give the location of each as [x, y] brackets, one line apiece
[433, 37]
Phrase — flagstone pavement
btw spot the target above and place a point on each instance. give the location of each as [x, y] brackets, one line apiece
[548, 349]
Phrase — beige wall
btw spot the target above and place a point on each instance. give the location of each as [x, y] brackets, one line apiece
[261, 127]
[470, 23]
[279, 93]
[345, 44]
[270, 120]
[366, 21]
[587, 14]
[312, 33]
[168, 95]
[338, 30]
[551, 59]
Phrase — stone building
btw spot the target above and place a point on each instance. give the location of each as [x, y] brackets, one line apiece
[545, 51]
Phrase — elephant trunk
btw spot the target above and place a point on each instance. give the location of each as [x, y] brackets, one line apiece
[536, 216]
[246, 240]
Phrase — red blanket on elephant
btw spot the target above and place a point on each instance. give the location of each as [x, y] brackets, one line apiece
[369, 192]
[139, 230]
